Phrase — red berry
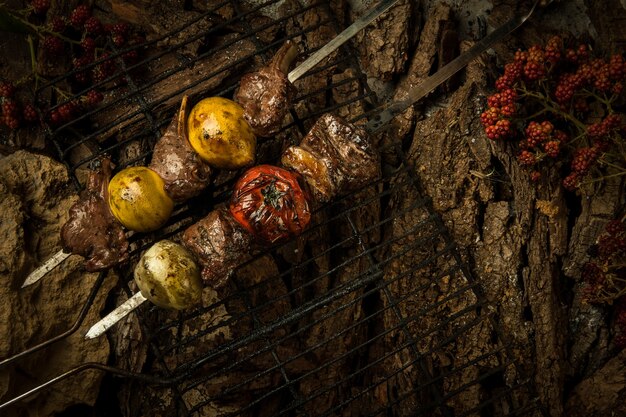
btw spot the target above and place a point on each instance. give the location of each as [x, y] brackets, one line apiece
[609, 245]
[614, 227]
[504, 82]
[612, 121]
[552, 148]
[503, 128]
[536, 54]
[7, 89]
[597, 130]
[617, 88]
[107, 66]
[88, 45]
[93, 26]
[553, 49]
[616, 67]
[582, 52]
[494, 100]
[130, 57]
[534, 70]
[97, 75]
[491, 132]
[12, 122]
[66, 111]
[10, 107]
[520, 56]
[82, 77]
[40, 6]
[118, 40]
[581, 105]
[54, 117]
[585, 74]
[583, 159]
[560, 136]
[536, 133]
[508, 110]
[535, 176]
[94, 97]
[527, 158]
[603, 83]
[30, 113]
[53, 45]
[571, 55]
[58, 24]
[490, 116]
[572, 181]
[120, 29]
[11, 113]
[593, 275]
[79, 16]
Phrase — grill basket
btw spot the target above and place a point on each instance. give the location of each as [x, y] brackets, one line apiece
[371, 312]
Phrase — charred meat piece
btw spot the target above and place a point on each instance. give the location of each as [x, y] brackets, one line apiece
[91, 230]
[265, 94]
[219, 243]
[334, 158]
[184, 173]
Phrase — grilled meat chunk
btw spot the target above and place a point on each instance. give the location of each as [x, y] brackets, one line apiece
[334, 158]
[91, 230]
[184, 173]
[265, 94]
[219, 243]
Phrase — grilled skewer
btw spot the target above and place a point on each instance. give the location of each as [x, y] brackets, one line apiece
[180, 190]
[269, 204]
[306, 162]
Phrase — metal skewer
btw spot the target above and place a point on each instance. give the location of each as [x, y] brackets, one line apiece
[373, 126]
[46, 267]
[294, 75]
[116, 315]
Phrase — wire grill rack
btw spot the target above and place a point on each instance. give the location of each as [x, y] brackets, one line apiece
[366, 314]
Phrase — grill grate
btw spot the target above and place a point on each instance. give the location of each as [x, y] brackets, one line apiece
[361, 320]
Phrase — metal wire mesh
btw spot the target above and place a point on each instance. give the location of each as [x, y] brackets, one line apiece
[359, 316]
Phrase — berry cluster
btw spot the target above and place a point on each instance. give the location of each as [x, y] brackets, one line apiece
[560, 104]
[15, 113]
[605, 276]
[88, 43]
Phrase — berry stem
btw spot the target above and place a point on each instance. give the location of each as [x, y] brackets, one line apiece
[539, 113]
[40, 30]
[618, 174]
[33, 59]
[611, 165]
[603, 100]
[546, 103]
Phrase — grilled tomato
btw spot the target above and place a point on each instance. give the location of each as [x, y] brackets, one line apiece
[138, 200]
[269, 202]
[168, 276]
[219, 133]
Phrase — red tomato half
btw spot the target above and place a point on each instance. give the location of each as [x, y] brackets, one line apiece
[269, 202]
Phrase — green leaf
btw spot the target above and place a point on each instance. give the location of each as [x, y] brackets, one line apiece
[9, 23]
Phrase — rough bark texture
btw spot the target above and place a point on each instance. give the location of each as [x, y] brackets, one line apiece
[602, 393]
[384, 44]
[524, 243]
[34, 200]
